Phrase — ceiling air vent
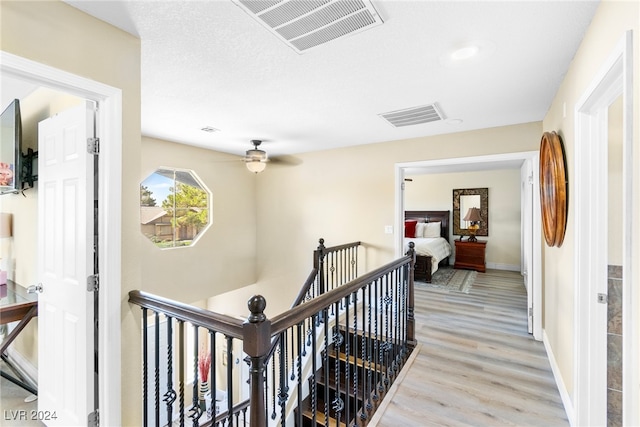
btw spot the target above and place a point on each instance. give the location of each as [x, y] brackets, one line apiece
[413, 116]
[306, 24]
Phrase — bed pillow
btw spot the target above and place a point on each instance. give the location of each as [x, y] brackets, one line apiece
[420, 228]
[432, 229]
[410, 228]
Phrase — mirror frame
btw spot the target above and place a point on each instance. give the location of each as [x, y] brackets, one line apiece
[484, 210]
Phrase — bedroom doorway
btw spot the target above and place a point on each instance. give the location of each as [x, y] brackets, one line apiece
[524, 164]
[109, 124]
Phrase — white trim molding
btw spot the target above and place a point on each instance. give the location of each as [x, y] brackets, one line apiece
[591, 241]
[562, 388]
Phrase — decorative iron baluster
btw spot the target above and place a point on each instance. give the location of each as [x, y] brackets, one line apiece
[387, 338]
[156, 361]
[195, 412]
[366, 373]
[347, 365]
[170, 395]
[181, 370]
[299, 339]
[212, 371]
[325, 367]
[293, 356]
[355, 355]
[338, 403]
[314, 369]
[145, 374]
[273, 375]
[284, 389]
[230, 378]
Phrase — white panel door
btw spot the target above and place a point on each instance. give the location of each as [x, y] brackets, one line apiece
[65, 260]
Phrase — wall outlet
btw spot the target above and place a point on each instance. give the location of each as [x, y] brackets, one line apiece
[388, 229]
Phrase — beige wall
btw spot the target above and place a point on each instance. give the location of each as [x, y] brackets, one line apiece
[55, 34]
[348, 194]
[224, 256]
[435, 192]
[612, 19]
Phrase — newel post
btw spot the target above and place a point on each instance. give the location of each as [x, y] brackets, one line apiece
[411, 321]
[256, 333]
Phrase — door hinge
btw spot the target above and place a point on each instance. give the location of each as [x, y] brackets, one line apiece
[93, 420]
[93, 146]
[603, 299]
[93, 283]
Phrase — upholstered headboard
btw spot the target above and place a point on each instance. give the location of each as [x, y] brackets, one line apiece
[432, 216]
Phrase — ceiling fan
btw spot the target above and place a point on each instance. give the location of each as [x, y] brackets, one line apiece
[256, 160]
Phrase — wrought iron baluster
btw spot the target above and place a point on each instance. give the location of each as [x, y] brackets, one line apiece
[213, 382]
[293, 355]
[230, 378]
[355, 355]
[347, 365]
[170, 395]
[314, 369]
[338, 403]
[364, 352]
[195, 412]
[145, 374]
[299, 339]
[181, 370]
[156, 361]
[284, 389]
[273, 375]
[325, 367]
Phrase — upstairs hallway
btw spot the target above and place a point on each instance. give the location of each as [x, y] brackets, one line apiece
[475, 364]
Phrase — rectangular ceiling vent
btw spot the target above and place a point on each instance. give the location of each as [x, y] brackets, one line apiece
[413, 116]
[306, 24]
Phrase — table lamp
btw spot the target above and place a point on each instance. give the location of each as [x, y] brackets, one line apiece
[473, 216]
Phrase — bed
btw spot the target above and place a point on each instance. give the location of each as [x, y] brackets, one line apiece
[433, 250]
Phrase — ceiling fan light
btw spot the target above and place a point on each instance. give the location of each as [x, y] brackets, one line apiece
[255, 166]
[255, 154]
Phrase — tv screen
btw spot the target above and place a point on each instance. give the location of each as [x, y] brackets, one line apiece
[10, 151]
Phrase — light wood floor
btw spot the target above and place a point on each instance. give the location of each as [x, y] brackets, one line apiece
[476, 365]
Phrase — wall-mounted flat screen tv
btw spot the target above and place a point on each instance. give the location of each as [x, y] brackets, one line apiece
[10, 148]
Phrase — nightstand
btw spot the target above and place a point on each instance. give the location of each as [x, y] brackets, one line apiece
[471, 255]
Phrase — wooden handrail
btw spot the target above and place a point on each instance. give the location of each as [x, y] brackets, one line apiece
[198, 316]
[297, 314]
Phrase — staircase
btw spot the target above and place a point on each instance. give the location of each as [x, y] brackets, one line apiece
[328, 361]
[355, 375]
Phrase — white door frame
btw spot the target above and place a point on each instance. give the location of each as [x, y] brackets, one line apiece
[109, 125]
[615, 78]
[529, 156]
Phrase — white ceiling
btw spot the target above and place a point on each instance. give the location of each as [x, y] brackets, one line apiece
[208, 63]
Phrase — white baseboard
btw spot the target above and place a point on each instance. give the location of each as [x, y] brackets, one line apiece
[508, 267]
[564, 394]
[24, 367]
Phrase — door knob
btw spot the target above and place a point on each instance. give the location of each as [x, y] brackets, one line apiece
[35, 288]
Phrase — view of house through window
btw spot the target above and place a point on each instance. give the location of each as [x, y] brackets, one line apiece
[174, 207]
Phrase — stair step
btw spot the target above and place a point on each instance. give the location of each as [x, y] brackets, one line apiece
[320, 419]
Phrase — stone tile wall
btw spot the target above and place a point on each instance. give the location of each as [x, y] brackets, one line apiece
[614, 347]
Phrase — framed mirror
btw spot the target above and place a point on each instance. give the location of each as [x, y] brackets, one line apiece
[463, 201]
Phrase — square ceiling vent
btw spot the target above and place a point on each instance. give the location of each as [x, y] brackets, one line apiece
[413, 116]
[306, 24]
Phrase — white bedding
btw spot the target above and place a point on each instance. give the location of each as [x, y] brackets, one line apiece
[438, 248]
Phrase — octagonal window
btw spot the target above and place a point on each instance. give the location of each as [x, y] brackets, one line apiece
[174, 208]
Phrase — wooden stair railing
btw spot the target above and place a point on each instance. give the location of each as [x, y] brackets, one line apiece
[373, 313]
